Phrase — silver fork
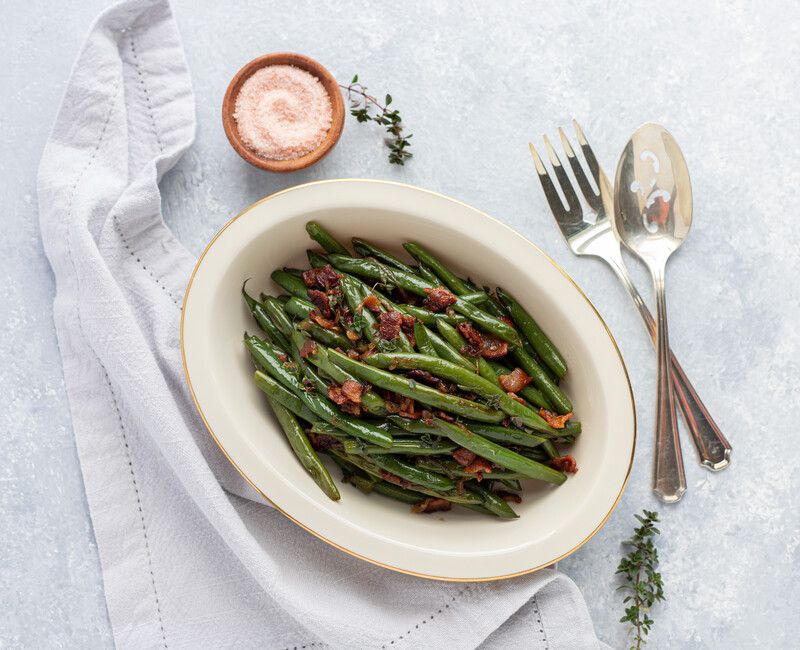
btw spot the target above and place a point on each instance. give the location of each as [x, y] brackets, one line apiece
[598, 239]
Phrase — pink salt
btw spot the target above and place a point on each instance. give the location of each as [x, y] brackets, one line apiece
[282, 112]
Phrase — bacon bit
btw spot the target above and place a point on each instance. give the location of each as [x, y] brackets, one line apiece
[309, 385]
[371, 302]
[510, 496]
[353, 390]
[309, 348]
[427, 417]
[493, 348]
[479, 467]
[514, 381]
[393, 478]
[445, 416]
[321, 441]
[464, 457]
[352, 335]
[324, 277]
[427, 378]
[336, 395]
[554, 420]
[321, 302]
[438, 298]
[323, 322]
[516, 397]
[407, 409]
[472, 335]
[282, 357]
[431, 504]
[408, 323]
[565, 464]
[353, 354]
[389, 324]
[506, 320]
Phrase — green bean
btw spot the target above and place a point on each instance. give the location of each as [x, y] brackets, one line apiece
[468, 380]
[550, 449]
[264, 321]
[290, 283]
[365, 249]
[544, 347]
[298, 307]
[422, 339]
[351, 290]
[410, 388]
[407, 446]
[479, 364]
[452, 469]
[507, 435]
[298, 273]
[494, 503]
[477, 298]
[552, 393]
[377, 271]
[316, 260]
[511, 484]
[412, 473]
[303, 450]
[495, 453]
[450, 279]
[367, 464]
[448, 352]
[428, 275]
[324, 238]
[384, 488]
[275, 392]
[429, 317]
[277, 315]
[320, 405]
[327, 337]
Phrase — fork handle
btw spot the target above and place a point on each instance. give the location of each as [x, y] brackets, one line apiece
[712, 446]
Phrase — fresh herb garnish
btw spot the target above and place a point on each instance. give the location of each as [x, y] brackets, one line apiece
[362, 107]
[642, 580]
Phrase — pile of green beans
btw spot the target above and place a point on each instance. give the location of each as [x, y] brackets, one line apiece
[419, 415]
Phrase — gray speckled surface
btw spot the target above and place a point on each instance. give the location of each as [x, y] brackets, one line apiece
[474, 82]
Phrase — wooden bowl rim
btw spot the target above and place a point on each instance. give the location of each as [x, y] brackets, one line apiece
[304, 63]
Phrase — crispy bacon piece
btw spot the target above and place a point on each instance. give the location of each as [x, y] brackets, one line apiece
[464, 457]
[309, 348]
[389, 324]
[516, 397]
[427, 417]
[324, 277]
[565, 464]
[321, 441]
[321, 302]
[336, 395]
[428, 379]
[353, 390]
[353, 354]
[493, 347]
[372, 303]
[351, 407]
[472, 335]
[554, 420]
[445, 416]
[479, 467]
[510, 496]
[431, 504]
[282, 357]
[408, 409]
[438, 298]
[352, 335]
[514, 381]
[506, 320]
[320, 320]
[393, 478]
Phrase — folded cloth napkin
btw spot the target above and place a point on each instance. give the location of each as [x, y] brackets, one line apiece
[190, 556]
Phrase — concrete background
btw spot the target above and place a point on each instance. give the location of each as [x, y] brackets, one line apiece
[474, 82]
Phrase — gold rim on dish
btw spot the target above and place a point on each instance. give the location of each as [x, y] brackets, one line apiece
[325, 539]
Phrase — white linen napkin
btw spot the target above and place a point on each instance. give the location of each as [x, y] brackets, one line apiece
[190, 557]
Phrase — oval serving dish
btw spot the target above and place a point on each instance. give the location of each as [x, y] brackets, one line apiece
[451, 546]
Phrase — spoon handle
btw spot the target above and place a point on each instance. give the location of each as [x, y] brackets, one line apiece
[712, 446]
[669, 480]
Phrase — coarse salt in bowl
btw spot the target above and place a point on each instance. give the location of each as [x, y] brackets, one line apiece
[283, 112]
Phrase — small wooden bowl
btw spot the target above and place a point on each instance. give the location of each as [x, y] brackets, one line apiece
[304, 63]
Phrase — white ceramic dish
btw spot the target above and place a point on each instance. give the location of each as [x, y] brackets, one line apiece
[457, 545]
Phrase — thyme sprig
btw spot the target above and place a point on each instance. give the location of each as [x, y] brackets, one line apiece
[366, 108]
[643, 582]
